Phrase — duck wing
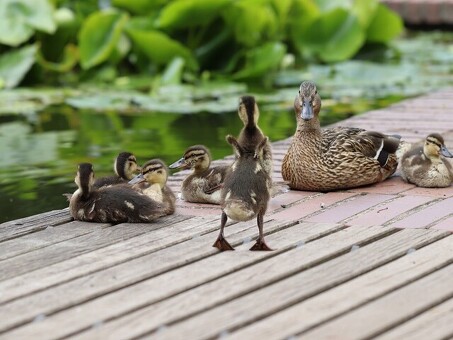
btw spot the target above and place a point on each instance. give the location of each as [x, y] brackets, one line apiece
[214, 179]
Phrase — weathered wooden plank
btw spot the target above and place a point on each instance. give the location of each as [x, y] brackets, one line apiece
[390, 310]
[237, 284]
[44, 238]
[90, 286]
[436, 323]
[218, 314]
[27, 225]
[99, 238]
[99, 259]
[163, 286]
[341, 299]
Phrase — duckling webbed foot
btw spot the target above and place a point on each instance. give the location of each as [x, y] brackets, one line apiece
[222, 244]
[260, 245]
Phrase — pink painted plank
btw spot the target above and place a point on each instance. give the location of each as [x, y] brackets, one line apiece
[386, 211]
[425, 217]
[310, 206]
[349, 208]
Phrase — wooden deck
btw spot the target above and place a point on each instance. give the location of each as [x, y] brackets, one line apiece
[373, 262]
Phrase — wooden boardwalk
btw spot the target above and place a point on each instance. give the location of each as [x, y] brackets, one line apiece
[373, 262]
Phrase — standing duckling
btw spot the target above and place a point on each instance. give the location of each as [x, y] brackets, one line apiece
[335, 158]
[251, 135]
[125, 167]
[152, 181]
[204, 184]
[245, 191]
[424, 166]
[111, 204]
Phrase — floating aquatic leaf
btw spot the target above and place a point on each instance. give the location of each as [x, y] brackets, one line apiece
[385, 26]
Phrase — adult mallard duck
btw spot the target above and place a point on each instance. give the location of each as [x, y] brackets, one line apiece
[204, 184]
[125, 167]
[335, 158]
[110, 204]
[251, 134]
[424, 165]
[245, 191]
[152, 181]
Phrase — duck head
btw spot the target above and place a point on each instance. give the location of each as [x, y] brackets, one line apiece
[308, 102]
[126, 165]
[248, 111]
[85, 178]
[154, 171]
[434, 147]
[195, 157]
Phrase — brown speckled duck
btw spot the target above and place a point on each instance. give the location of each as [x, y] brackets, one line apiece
[335, 158]
[152, 181]
[424, 165]
[204, 184]
[110, 204]
[125, 167]
[245, 191]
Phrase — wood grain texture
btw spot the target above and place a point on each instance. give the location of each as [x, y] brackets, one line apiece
[391, 310]
[44, 238]
[166, 285]
[345, 297]
[12, 229]
[91, 286]
[236, 285]
[211, 322]
[435, 323]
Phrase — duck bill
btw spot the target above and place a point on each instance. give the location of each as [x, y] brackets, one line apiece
[307, 111]
[137, 179]
[445, 152]
[181, 163]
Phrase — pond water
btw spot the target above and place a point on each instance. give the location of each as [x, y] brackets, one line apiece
[41, 145]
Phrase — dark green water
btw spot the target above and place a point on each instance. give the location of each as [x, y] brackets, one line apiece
[41, 147]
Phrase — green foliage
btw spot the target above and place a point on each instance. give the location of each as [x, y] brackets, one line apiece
[15, 64]
[244, 39]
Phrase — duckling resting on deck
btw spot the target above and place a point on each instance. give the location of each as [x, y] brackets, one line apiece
[152, 181]
[204, 184]
[125, 167]
[245, 191]
[336, 158]
[110, 204]
[424, 166]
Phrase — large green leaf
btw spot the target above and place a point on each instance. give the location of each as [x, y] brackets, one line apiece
[99, 36]
[334, 36]
[158, 46]
[363, 9]
[189, 13]
[15, 64]
[385, 25]
[261, 60]
[252, 21]
[138, 6]
[20, 18]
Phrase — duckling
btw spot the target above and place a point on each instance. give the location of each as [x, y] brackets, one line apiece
[125, 167]
[251, 135]
[424, 166]
[203, 185]
[110, 204]
[152, 181]
[246, 191]
[335, 158]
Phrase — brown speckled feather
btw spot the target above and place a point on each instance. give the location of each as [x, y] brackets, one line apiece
[336, 158]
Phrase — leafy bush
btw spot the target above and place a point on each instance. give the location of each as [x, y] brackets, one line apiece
[70, 41]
